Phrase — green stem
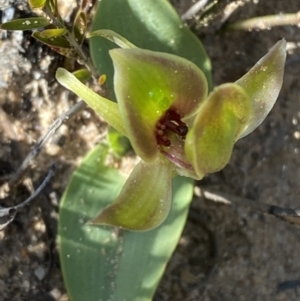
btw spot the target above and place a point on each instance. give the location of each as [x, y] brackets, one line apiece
[86, 60]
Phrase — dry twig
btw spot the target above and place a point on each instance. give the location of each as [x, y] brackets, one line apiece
[193, 10]
[16, 177]
[266, 22]
[287, 214]
[7, 215]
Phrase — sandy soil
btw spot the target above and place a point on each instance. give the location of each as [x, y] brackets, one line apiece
[226, 252]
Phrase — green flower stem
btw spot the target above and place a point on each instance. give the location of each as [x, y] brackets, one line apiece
[107, 109]
[86, 60]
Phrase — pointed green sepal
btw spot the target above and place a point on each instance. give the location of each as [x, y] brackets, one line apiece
[147, 84]
[263, 83]
[145, 199]
[221, 119]
[107, 109]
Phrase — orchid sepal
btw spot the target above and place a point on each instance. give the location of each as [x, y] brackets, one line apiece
[149, 83]
[145, 199]
[104, 107]
[262, 84]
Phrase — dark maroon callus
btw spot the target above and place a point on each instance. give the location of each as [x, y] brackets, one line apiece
[170, 121]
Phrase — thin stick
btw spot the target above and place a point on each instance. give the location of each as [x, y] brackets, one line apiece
[43, 140]
[39, 189]
[194, 9]
[57, 123]
[286, 214]
[266, 22]
[7, 215]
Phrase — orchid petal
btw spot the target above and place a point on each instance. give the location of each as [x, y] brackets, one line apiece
[263, 83]
[175, 153]
[147, 84]
[145, 199]
[218, 124]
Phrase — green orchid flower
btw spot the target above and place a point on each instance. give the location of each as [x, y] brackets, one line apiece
[174, 126]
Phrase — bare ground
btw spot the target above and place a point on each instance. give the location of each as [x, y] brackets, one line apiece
[226, 252]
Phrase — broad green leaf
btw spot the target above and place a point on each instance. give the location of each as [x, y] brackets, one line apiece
[217, 126]
[37, 3]
[147, 84]
[103, 263]
[152, 25]
[56, 32]
[107, 109]
[145, 199]
[263, 83]
[25, 24]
